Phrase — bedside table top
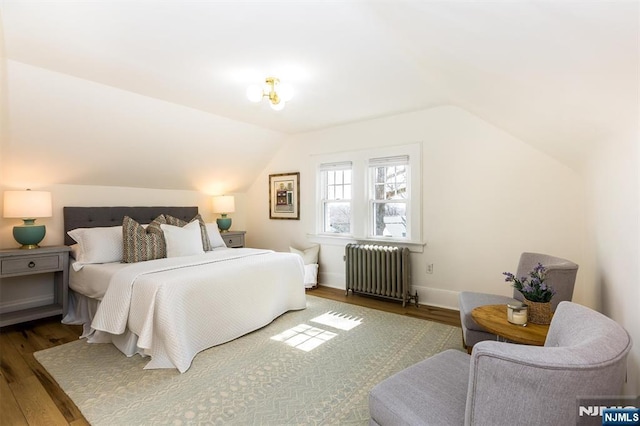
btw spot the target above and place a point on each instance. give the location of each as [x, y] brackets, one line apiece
[33, 252]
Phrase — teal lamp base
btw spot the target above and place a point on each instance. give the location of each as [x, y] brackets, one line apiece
[224, 223]
[29, 234]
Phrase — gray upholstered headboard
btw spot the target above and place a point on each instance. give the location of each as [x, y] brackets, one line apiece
[92, 217]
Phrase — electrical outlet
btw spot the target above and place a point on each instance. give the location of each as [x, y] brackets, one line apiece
[430, 268]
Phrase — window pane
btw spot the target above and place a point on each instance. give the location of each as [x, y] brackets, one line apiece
[378, 191]
[390, 219]
[390, 182]
[390, 191]
[401, 175]
[337, 217]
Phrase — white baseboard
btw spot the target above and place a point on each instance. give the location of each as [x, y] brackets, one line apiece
[332, 280]
[339, 287]
[436, 297]
[427, 296]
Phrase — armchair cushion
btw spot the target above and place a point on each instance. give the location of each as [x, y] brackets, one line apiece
[422, 394]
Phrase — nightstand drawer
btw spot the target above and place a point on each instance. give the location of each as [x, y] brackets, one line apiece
[30, 264]
[233, 240]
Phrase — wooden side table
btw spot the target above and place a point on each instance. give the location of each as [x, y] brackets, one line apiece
[493, 318]
[233, 239]
[20, 263]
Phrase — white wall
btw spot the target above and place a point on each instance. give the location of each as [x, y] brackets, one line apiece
[85, 196]
[614, 182]
[487, 197]
[66, 130]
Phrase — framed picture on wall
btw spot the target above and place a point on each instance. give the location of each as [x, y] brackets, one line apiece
[284, 196]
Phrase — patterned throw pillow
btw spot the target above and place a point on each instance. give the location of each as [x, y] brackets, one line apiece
[142, 244]
[206, 243]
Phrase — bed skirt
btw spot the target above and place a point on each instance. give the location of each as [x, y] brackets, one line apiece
[81, 311]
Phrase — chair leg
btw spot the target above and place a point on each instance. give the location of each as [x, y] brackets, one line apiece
[464, 345]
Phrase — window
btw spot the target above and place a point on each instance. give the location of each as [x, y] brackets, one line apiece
[336, 197]
[389, 196]
[371, 194]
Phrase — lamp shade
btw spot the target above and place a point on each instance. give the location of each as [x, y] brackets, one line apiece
[285, 91]
[224, 204]
[27, 204]
[255, 93]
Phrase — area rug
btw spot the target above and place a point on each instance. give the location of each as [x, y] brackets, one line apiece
[314, 366]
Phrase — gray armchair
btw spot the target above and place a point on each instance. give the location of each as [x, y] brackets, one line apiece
[504, 384]
[561, 275]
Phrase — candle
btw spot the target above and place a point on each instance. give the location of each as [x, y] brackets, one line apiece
[517, 313]
[519, 317]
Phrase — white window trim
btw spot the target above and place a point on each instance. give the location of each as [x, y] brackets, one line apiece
[388, 161]
[343, 240]
[323, 201]
[360, 231]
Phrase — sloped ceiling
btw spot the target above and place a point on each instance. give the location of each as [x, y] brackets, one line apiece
[558, 75]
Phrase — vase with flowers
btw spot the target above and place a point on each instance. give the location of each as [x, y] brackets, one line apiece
[536, 292]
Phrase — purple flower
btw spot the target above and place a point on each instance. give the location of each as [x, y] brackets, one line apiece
[509, 275]
[536, 289]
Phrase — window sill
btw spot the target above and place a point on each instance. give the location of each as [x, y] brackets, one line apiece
[343, 240]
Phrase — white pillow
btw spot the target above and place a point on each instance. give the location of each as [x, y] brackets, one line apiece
[310, 275]
[97, 245]
[183, 241]
[75, 250]
[214, 235]
[309, 256]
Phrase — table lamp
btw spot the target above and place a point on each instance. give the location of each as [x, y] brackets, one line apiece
[27, 205]
[224, 204]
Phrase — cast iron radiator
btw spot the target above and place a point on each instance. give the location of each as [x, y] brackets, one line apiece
[378, 270]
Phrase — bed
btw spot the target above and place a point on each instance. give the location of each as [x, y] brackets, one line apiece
[171, 308]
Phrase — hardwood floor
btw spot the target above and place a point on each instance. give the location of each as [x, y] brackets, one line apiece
[29, 396]
[446, 316]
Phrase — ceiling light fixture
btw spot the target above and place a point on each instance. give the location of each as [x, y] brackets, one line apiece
[277, 93]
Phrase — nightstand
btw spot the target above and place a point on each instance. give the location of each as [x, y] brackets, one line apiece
[233, 239]
[20, 268]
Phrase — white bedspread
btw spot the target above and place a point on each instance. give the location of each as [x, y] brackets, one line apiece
[178, 307]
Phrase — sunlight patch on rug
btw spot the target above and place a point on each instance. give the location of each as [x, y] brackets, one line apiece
[339, 321]
[304, 337]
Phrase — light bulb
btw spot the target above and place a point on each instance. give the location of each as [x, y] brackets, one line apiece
[279, 106]
[254, 93]
[285, 91]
